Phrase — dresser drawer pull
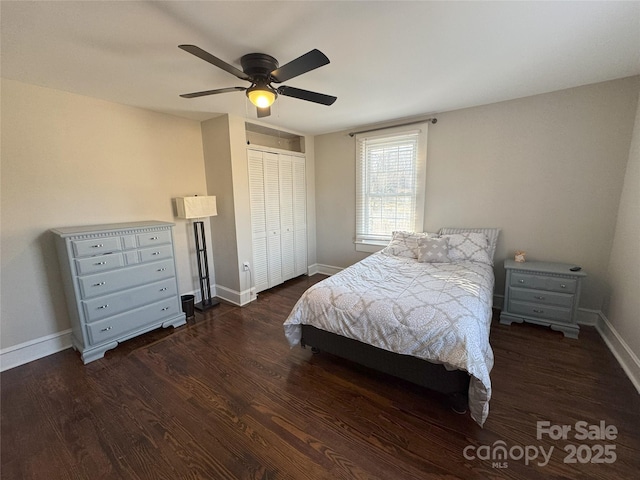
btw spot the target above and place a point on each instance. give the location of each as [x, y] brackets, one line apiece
[104, 306]
[106, 329]
[163, 289]
[521, 281]
[563, 285]
[100, 263]
[153, 238]
[99, 284]
[98, 245]
[155, 253]
[166, 308]
[537, 310]
[161, 269]
[539, 297]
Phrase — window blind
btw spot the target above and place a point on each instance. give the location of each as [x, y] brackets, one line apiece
[390, 184]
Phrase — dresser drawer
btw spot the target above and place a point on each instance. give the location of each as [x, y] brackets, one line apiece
[98, 246]
[108, 282]
[546, 312]
[118, 325]
[154, 238]
[543, 282]
[108, 305]
[99, 263]
[157, 253]
[542, 297]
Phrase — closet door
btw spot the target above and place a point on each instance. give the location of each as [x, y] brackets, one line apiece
[287, 241]
[272, 210]
[300, 215]
[258, 221]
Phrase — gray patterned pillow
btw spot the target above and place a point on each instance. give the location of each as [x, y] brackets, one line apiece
[433, 250]
[472, 246]
[404, 244]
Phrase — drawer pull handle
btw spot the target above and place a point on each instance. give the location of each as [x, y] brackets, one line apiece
[563, 285]
[104, 306]
[165, 308]
[155, 253]
[537, 310]
[98, 245]
[161, 269]
[100, 263]
[521, 281]
[153, 238]
[106, 329]
[539, 297]
[99, 284]
[163, 289]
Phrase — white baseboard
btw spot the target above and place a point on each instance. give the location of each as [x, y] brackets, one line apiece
[627, 359]
[235, 297]
[324, 269]
[34, 349]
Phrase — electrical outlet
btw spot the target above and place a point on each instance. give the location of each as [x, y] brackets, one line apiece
[245, 266]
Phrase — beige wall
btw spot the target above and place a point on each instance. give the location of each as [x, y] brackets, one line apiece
[548, 170]
[622, 305]
[73, 160]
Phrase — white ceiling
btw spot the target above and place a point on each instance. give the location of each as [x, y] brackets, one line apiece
[389, 59]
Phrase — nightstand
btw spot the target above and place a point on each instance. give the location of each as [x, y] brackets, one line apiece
[544, 293]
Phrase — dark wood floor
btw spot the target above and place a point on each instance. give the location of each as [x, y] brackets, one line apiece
[225, 398]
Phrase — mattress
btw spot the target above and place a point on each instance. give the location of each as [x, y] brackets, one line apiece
[439, 312]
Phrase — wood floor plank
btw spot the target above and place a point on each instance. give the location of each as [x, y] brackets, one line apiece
[226, 398]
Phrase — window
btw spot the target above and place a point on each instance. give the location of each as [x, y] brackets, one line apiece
[390, 178]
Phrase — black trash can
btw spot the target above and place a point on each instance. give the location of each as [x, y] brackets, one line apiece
[188, 305]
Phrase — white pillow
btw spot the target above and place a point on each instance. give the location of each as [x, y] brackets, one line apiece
[404, 244]
[472, 246]
[491, 233]
[433, 250]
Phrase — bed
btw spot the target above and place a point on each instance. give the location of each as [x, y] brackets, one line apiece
[420, 309]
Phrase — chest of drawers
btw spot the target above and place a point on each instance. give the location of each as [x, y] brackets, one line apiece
[544, 293]
[119, 280]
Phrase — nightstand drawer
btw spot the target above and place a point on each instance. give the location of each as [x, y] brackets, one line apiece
[542, 297]
[543, 282]
[546, 312]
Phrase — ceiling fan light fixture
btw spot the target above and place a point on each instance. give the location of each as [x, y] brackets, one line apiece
[262, 96]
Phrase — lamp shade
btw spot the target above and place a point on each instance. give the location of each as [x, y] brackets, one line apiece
[196, 207]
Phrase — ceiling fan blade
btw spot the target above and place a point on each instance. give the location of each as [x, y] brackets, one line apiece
[207, 57]
[264, 112]
[211, 92]
[307, 62]
[306, 95]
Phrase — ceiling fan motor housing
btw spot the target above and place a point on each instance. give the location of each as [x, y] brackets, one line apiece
[258, 64]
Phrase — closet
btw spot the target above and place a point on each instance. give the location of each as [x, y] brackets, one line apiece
[277, 188]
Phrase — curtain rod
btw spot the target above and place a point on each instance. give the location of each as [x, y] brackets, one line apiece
[432, 120]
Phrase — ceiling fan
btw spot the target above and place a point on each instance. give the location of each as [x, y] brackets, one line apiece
[261, 70]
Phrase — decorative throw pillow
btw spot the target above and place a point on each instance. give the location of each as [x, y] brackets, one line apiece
[472, 246]
[433, 250]
[404, 244]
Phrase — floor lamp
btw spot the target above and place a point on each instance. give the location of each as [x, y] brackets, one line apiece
[196, 208]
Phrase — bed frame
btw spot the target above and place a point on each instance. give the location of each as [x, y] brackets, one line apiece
[453, 383]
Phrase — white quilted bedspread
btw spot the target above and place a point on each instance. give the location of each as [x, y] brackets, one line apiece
[440, 312]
